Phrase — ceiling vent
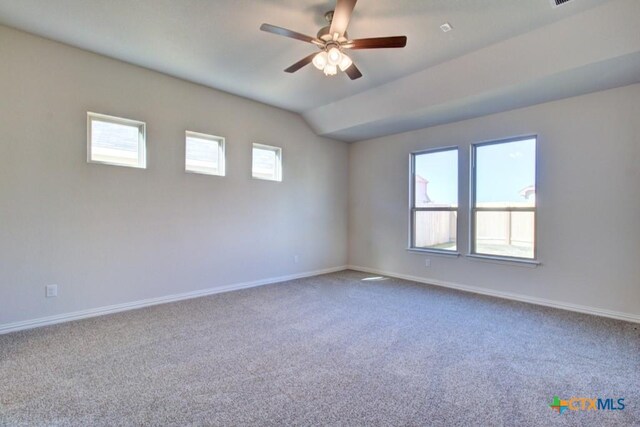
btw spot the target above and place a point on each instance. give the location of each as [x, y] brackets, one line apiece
[556, 3]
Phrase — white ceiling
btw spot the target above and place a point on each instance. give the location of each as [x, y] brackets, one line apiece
[217, 43]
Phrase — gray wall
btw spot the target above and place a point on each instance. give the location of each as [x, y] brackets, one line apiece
[588, 202]
[109, 235]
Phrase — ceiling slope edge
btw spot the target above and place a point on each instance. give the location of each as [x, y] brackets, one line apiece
[595, 50]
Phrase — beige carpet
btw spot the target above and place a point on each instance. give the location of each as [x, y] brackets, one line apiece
[332, 349]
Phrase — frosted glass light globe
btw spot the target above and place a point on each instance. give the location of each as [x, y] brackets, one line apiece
[345, 62]
[334, 56]
[320, 60]
[330, 70]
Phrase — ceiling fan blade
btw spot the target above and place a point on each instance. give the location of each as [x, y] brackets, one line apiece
[353, 72]
[291, 34]
[295, 67]
[341, 16]
[376, 43]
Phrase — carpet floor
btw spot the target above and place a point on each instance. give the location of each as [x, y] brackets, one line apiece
[327, 350]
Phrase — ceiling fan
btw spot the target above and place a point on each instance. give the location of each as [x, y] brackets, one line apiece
[333, 40]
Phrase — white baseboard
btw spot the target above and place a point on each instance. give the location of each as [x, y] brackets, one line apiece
[93, 312]
[99, 311]
[629, 317]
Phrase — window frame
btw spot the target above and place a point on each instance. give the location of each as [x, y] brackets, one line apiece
[222, 166]
[473, 209]
[142, 138]
[278, 151]
[412, 202]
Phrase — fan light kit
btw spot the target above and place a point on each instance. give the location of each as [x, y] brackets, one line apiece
[333, 40]
[329, 62]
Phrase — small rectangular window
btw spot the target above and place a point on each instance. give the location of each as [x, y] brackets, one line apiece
[503, 208]
[434, 200]
[115, 141]
[204, 153]
[266, 162]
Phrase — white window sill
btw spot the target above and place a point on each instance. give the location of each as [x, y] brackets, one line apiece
[434, 252]
[530, 263]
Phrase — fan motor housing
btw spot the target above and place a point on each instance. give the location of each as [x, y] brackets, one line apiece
[324, 35]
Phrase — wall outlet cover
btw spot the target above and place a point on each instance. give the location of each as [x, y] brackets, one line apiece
[51, 291]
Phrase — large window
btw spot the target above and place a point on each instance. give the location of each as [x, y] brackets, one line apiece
[115, 141]
[434, 200]
[266, 162]
[204, 153]
[503, 205]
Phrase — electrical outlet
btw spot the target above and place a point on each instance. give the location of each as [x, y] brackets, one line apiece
[427, 262]
[296, 259]
[51, 291]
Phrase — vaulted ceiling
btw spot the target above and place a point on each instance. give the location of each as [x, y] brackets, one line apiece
[501, 54]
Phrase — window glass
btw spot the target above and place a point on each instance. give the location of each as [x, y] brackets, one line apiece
[434, 210]
[116, 141]
[436, 179]
[204, 154]
[266, 163]
[504, 211]
[506, 174]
